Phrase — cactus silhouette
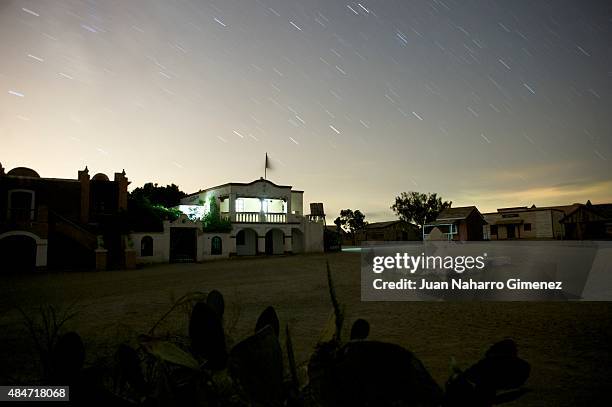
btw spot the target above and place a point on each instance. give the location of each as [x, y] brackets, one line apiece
[207, 336]
[268, 317]
[480, 385]
[360, 329]
[216, 302]
[257, 365]
[67, 358]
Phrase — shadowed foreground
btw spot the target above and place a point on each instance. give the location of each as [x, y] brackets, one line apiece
[567, 344]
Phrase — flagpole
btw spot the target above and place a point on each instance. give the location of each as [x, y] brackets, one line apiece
[266, 167]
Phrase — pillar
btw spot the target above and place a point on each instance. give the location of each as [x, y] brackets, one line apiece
[288, 243]
[261, 244]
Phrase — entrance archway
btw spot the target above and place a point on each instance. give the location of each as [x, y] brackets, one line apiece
[17, 253]
[183, 244]
[275, 242]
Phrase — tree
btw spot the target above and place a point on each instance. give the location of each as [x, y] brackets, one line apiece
[167, 196]
[212, 221]
[150, 205]
[351, 221]
[419, 208]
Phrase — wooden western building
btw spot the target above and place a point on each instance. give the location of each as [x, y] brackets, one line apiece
[589, 221]
[526, 222]
[458, 224]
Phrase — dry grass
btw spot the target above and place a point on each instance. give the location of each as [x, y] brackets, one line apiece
[568, 344]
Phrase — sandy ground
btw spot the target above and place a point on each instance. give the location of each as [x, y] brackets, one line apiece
[568, 344]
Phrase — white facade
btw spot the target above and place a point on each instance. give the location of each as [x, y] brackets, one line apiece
[157, 247]
[266, 218]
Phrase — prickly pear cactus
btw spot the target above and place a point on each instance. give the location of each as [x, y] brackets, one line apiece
[216, 302]
[68, 357]
[256, 364]
[268, 317]
[207, 336]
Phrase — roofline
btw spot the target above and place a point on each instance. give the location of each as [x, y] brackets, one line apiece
[241, 184]
[461, 218]
[474, 208]
[581, 206]
[40, 178]
[385, 222]
[529, 210]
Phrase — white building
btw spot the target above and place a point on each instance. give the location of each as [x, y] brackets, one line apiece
[265, 219]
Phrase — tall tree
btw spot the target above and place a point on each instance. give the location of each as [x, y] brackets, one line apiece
[419, 208]
[351, 221]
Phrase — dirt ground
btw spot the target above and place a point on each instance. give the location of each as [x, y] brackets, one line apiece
[568, 344]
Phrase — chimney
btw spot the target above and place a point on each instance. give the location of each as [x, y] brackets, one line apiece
[84, 180]
[122, 185]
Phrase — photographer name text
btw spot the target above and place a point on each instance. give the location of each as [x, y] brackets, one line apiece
[465, 284]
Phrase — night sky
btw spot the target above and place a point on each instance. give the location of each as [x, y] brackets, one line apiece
[492, 103]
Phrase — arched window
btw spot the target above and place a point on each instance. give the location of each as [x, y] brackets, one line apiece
[216, 245]
[146, 246]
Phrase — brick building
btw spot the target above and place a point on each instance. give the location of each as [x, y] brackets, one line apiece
[60, 223]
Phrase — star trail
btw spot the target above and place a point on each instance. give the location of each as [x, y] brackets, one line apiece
[493, 103]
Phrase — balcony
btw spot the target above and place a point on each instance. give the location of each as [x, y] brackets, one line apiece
[256, 217]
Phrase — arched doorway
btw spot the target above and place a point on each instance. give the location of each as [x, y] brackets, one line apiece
[297, 241]
[183, 244]
[17, 253]
[246, 242]
[275, 242]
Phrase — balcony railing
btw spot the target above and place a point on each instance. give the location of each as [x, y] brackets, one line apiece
[275, 217]
[257, 217]
[247, 217]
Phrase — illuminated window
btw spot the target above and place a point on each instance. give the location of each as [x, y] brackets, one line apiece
[240, 205]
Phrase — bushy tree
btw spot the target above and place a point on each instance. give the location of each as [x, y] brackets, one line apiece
[150, 205]
[419, 208]
[167, 196]
[143, 216]
[351, 221]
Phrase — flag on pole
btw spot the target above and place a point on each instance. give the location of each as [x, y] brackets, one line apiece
[268, 165]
